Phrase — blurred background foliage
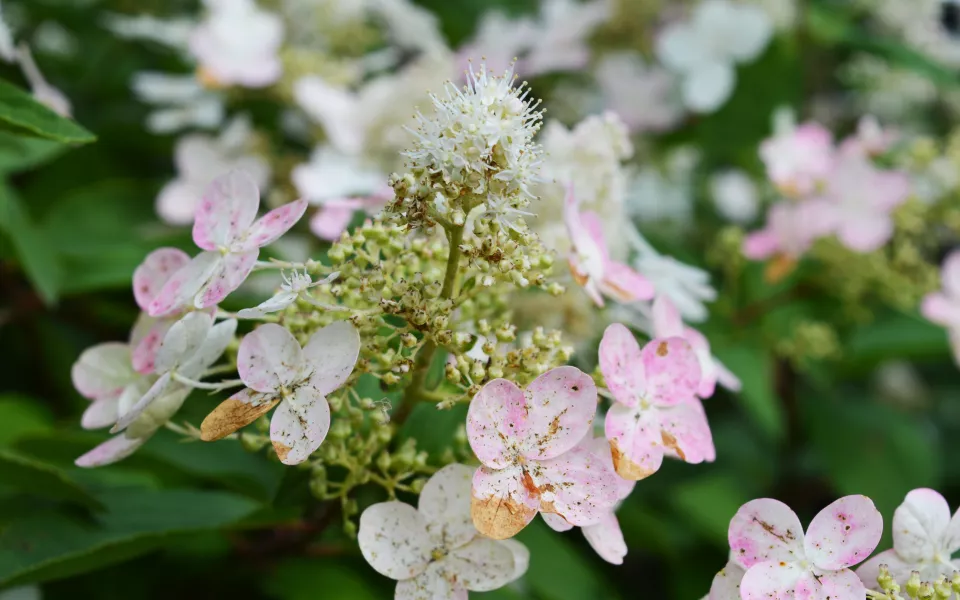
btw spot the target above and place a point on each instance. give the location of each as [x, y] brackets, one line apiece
[178, 520]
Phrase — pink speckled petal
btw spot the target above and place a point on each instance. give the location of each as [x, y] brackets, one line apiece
[590, 221]
[687, 433]
[601, 449]
[393, 538]
[145, 340]
[577, 486]
[623, 284]
[101, 413]
[497, 420]
[844, 533]
[298, 427]
[672, 371]
[331, 354]
[761, 245]
[832, 585]
[606, 539]
[179, 291]
[556, 522]
[770, 580]
[272, 225]
[331, 221]
[150, 277]
[227, 210]
[919, 525]
[622, 365]
[482, 565]
[765, 530]
[708, 364]
[666, 318]
[636, 442]
[102, 371]
[726, 583]
[269, 358]
[232, 270]
[503, 502]
[113, 450]
[561, 404]
[899, 569]
[445, 505]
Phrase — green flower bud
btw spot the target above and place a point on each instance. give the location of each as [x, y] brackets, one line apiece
[350, 529]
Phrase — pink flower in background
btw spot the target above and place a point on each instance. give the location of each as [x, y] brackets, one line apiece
[527, 444]
[434, 550]
[226, 228]
[102, 374]
[667, 323]
[799, 159]
[238, 44]
[790, 230]
[604, 536]
[590, 260]
[767, 540]
[861, 199]
[943, 307]
[656, 410]
[278, 371]
[870, 139]
[924, 539]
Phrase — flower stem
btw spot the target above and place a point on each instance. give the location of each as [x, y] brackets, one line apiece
[421, 366]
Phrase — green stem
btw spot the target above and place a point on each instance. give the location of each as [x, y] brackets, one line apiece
[421, 366]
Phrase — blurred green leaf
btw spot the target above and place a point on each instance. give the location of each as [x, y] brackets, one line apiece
[33, 477]
[896, 336]
[20, 113]
[709, 503]
[22, 416]
[52, 546]
[18, 153]
[33, 250]
[557, 571]
[754, 366]
[305, 579]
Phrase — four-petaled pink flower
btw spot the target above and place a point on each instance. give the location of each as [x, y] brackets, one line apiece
[943, 307]
[238, 43]
[526, 443]
[277, 370]
[590, 260]
[799, 160]
[924, 539]
[767, 540]
[434, 551]
[226, 228]
[604, 536]
[667, 323]
[656, 410]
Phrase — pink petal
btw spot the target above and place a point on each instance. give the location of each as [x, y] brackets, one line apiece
[177, 202]
[299, 427]
[503, 501]
[102, 371]
[940, 309]
[180, 289]
[600, 448]
[153, 273]
[919, 524]
[273, 224]
[950, 274]
[899, 569]
[708, 364]
[726, 377]
[227, 209]
[672, 371]
[393, 538]
[770, 580]
[145, 339]
[445, 505]
[331, 353]
[686, 432]
[666, 318]
[232, 270]
[131, 414]
[622, 365]
[761, 245]
[623, 284]
[891, 188]
[832, 585]
[100, 413]
[844, 533]
[577, 486]
[556, 522]
[590, 221]
[269, 358]
[497, 421]
[726, 584]
[765, 530]
[113, 450]
[331, 221]
[560, 405]
[636, 443]
[867, 233]
[606, 539]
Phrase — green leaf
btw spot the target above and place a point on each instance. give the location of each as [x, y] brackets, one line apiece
[22, 417]
[709, 503]
[20, 113]
[557, 571]
[18, 153]
[896, 336]
[872, 449]
[34, 477]
[33, 250]
[306, 579]
[757, 398]
[53, 546]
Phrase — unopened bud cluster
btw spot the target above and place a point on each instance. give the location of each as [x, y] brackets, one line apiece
[942, 588]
